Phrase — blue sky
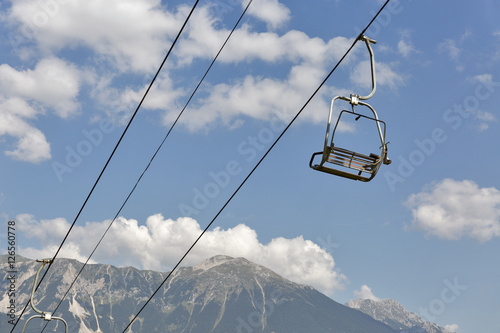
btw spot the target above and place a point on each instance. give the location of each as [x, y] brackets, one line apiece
[425, 231]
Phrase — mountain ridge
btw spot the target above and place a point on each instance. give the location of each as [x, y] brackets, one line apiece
[393, 314]
[220, 294]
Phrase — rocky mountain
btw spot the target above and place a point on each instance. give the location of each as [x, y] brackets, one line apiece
[222, 294]
[393, 314]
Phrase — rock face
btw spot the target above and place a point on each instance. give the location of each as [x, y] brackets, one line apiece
[395, 315]
[221, 294]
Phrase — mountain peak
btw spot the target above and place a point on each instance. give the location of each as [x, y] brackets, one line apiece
[393, 314]
[213, 262]
[222, 294]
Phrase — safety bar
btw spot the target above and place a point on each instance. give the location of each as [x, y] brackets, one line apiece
[328, 142]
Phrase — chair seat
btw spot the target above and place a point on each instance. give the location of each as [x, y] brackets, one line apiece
[353, 160]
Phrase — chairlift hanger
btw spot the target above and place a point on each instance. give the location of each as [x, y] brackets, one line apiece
[344, 162]
[47, 316]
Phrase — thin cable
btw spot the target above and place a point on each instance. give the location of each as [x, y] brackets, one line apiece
[112, 154]
[152, 158]
[255, 167]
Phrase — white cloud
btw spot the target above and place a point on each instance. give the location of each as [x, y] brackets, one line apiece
[365, 292]
[385, 75]
[53, 83]
[205, 37]
[486, 79]
[25, 94]
[201, 39]
[45, 229]
[485, 118]
[450, 47]
[274, 13]
[134, 35]
[160, 243]
[453, 50]
[257, 96]
[118, 104]
[131, 34]
[453, 209]
[452, 328]
[405, 48]
[31, 145]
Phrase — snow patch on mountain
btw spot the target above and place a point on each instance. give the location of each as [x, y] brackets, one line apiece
[77, 310]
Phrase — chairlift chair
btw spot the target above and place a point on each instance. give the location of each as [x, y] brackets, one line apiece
[344, 162]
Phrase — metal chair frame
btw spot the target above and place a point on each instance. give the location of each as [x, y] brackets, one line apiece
[363, 167]
[47, 316]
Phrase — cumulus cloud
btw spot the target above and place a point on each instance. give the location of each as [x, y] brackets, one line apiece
[118, 103]
[53, 83]
[31, 145]
[205, 36]
[159, 244]
[453, 209]
[25, 94]
[274, 13]
[405, 46]
[131, 34]
[257, 96]
[365, 292]
[254, 96]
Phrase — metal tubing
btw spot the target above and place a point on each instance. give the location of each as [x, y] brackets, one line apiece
[44, 261]
[382, 138]
[353, 100]
[327, 145]
[372, 66]
[42, 314]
